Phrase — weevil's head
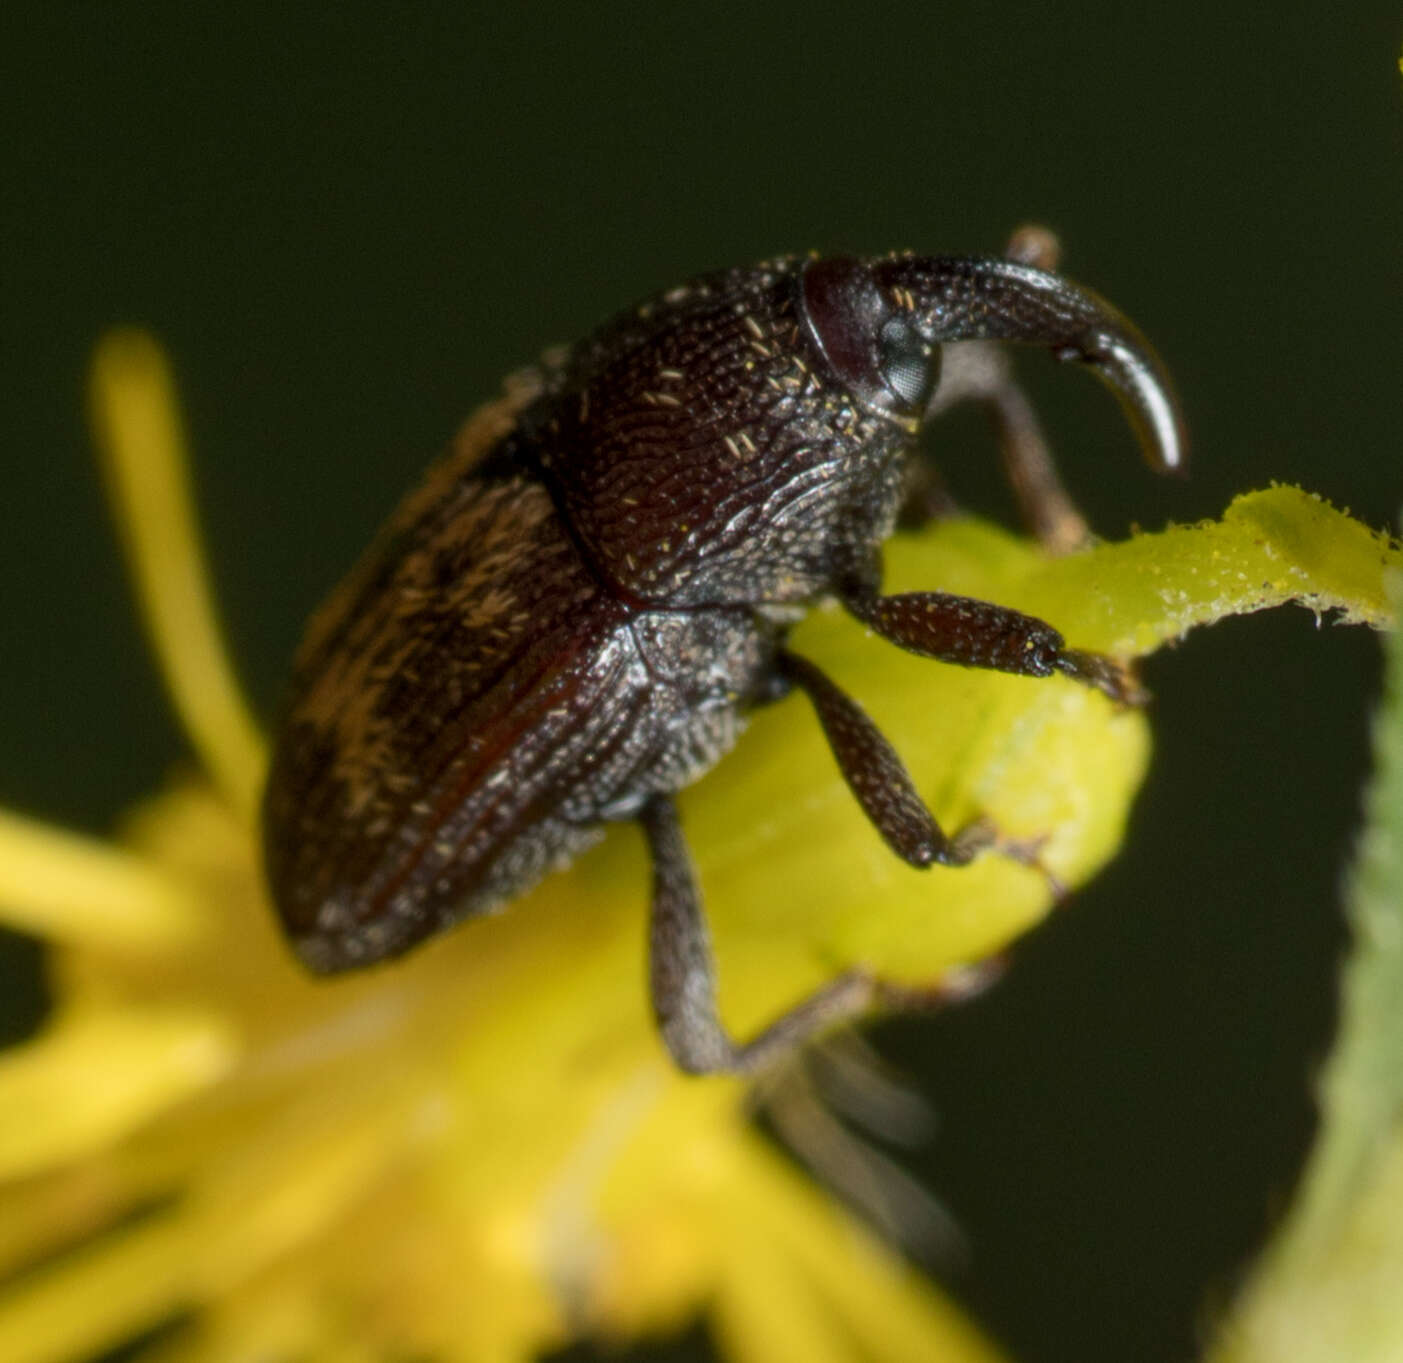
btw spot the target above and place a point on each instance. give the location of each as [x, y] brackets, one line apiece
[880, 325]
[743, 438]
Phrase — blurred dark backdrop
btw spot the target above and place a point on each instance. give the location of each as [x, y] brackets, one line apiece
[348, 221]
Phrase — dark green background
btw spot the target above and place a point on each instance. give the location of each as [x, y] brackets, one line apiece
[349, 221]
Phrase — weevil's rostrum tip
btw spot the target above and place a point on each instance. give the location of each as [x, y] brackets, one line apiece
[1131, 367]
[993, 298]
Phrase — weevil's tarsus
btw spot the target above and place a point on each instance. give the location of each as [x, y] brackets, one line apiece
[979, 835]
[957, 985]
[972, 633]
[1029, 852]
[1112, 678]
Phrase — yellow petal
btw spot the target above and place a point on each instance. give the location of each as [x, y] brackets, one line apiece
[77, 891]
[264, 1204]
[766, 1312]
[90, 1078]
[275, 1324]
[137, 425]
[46, 1214]
[885, 1307]
[98, 1294]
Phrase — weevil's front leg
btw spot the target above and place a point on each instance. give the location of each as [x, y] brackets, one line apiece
[878, 778]
[958, 629]
[683, 975]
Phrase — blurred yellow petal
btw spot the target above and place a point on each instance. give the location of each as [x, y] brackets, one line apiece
[138, 431]
[887, 1309]
[765, 1311]
[66, 888]
[97, 1295]
[281, 1325]
[45, 1213]
[90, 1078]
[270, 1198]
[313, 1160]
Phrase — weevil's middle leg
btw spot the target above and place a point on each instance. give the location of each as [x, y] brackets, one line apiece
[682, 974]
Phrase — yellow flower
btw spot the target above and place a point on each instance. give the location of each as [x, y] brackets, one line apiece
[481, 1152]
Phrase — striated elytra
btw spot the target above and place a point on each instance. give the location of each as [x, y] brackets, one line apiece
[569, 620]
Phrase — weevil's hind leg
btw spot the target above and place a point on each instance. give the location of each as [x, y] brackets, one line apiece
[981, 372]
[958, 629]
[878, 778]
[683, 975]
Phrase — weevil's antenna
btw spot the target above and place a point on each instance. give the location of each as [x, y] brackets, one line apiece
[977, 298]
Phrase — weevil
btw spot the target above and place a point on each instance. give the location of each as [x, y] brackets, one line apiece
[570, 619]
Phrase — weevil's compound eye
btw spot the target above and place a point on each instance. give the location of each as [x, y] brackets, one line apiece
[870, 345]
[908, 363]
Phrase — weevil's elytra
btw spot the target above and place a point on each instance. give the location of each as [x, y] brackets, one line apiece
[570, 619]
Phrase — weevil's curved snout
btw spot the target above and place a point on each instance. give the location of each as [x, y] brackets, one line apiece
[1125, 361]
[991, 299]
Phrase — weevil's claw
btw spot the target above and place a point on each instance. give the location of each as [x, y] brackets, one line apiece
[982, 835]
[1028, 852]
[955, 985]
[974, 838]
[1112, 678]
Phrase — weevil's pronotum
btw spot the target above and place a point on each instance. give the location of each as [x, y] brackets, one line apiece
[568, 621]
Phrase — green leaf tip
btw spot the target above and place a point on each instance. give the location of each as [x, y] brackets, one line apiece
[1274, 547]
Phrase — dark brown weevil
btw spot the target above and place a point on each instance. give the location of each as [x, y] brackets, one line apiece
[569, 620]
